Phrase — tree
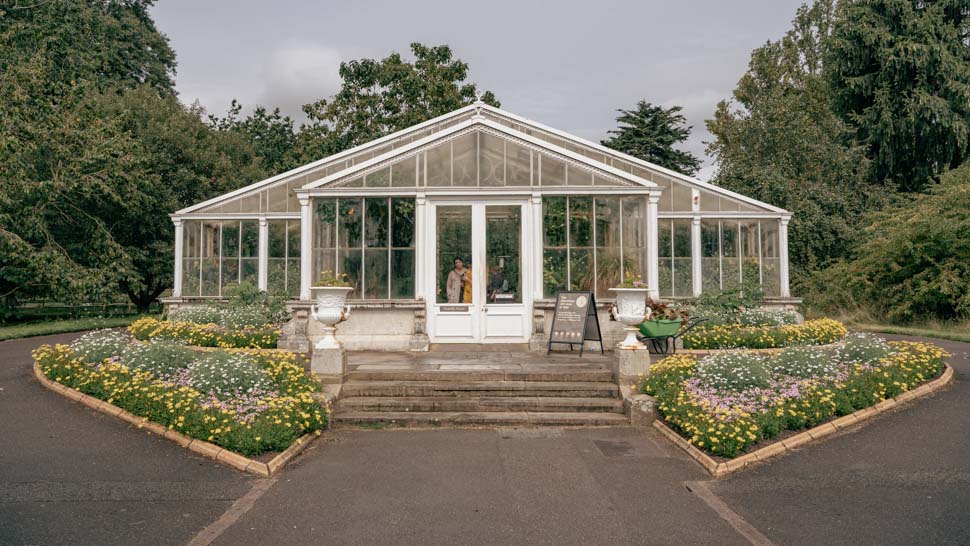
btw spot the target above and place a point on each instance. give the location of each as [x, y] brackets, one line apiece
[900, 74]
[650, 133]
[271, 134]
[779, 141]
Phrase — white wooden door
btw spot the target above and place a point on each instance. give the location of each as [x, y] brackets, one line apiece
[481, 247]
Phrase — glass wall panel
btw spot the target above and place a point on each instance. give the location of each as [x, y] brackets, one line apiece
[770, 260]
[555, 268]
[211, 249]
[380, 178]
[552, 171]
[491, 160]
[576, 176]
[682, 261]
[610, 260]
[402, 173]
[751, 251]
[517, 169]
[276, 262]
[465, 160]
[681, 196]
[231, 246]
[249, 252]
[710, 254]
[634, 219]
[376, 243]
[437, 164]
[324, 238]
[191, 251]
[581, 272]
[730, 262]
[665, 269]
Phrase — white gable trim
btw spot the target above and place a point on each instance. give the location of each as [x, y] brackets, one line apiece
[432, 139]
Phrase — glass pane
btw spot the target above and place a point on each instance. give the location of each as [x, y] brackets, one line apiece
[454, 232]
[751, 252]
[552, 172]
[191, 251]
[349, 235]
[324, 237]
[376, 222]
[683, 263]
[681, 198]
[491, 160]
[517, 165]
[710, 255]
[402, 173]
[292, 203]
[580, 269]
[503, 236]
[438, 165]
[634, 237]
[610, 262]
[665, 271]
[378, 179]
[402, 273]
[770, 259]
[375, 269]
[211, 250]
[580, 222]
[730, 264]
[465, 164]
[554, 221]
[349, 263]
[250, 239]
[276, 261]
[277, 198]
[402, 222]
[579, 177]
[554, 267]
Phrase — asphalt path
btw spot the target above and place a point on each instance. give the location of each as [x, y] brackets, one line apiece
[69, 475]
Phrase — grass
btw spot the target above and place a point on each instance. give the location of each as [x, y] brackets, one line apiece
[31, 329]
[958, 332]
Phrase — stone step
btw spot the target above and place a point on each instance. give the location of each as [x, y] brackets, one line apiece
[572, 389]
[480, 404]
[442, 418]
[553, 373]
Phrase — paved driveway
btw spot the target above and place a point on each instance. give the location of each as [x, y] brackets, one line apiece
[70, 475]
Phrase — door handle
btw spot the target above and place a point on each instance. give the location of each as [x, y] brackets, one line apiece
[485, 308]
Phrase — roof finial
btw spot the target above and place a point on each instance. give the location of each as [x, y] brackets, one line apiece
[479, 94]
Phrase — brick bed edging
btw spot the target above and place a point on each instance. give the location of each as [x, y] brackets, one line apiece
[719, 470]
[212, 451]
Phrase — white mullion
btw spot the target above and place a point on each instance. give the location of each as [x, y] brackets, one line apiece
[363, 251]
[201, 252]
[740, 256]
[595, 269]
[622, 275]
[390, 227]
[569, 265]
[761, 258]
[720, 254]
[220, 259]
[336, 242]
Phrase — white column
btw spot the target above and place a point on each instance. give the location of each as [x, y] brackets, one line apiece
[695, 256]
[420, 246]
[653, 247]
[179, 241]
[263, 254]
[783, 255]
[306, 248]
[537, 239]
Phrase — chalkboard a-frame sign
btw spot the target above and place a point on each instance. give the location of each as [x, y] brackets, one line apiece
[574, 320]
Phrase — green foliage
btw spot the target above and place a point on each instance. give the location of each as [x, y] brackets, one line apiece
[94, 347]
[913, 264]
[247, 300]
[651, 133]
[779, 141]
[863, 348]
[162, 358]
[900, 74]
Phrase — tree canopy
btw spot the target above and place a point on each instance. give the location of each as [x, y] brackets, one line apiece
[899, 71]
[652, 133]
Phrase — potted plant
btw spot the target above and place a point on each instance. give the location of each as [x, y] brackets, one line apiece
[663, 320]
[631, 309]
[331, 307]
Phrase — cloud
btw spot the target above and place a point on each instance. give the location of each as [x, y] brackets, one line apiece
[298, 74]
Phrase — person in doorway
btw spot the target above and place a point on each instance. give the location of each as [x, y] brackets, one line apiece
[459, 286]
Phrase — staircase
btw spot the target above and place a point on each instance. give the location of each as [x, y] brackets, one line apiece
[522, 390]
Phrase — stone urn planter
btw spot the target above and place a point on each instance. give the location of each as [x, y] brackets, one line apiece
[631, 310]
[330, 309]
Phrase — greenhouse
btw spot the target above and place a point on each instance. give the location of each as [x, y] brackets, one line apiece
[519, 209]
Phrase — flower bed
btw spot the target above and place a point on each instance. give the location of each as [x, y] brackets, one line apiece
[247, 401]
[205, 335]
[727, 403]
[734, 336]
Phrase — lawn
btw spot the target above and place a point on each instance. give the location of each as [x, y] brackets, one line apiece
[31, 329]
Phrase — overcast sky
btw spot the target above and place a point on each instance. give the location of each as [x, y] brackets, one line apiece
[569, 64]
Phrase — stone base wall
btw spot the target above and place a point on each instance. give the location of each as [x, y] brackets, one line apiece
[612, 331]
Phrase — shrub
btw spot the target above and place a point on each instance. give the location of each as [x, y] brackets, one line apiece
[94, 347]
[163, 358]
[862, 348]
[227, 375]
[199, 314]
[812, 332]
[804, 363]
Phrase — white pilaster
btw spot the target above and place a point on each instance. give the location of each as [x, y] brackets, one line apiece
[420, 248]
[653, 247]
[783, 255]
[537, 240]
[695, 256]
[306, 248]
[179, 242]
[262, 278]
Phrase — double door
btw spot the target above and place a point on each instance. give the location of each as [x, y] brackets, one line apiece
[481, 291]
